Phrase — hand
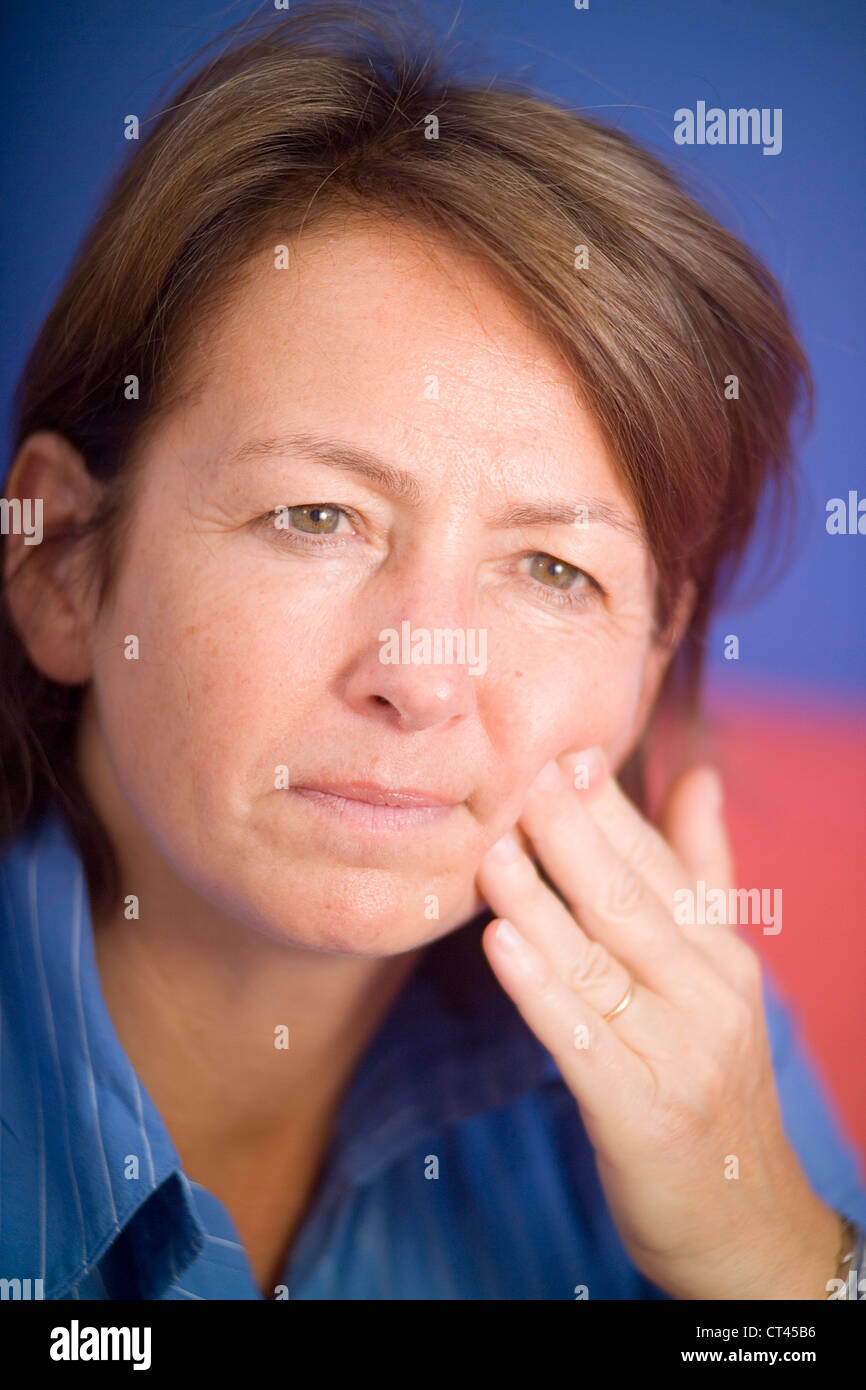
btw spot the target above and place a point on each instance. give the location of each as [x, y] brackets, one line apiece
[677, 1091]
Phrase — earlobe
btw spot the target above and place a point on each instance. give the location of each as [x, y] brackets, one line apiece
[50, 496]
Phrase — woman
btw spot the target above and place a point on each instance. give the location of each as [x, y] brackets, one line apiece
[391, 466]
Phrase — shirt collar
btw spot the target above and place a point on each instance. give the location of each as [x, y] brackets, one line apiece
[451, 1047]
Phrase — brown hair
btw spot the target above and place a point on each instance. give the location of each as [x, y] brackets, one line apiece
[334, 105]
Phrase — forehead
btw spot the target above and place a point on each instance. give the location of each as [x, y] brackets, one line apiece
[390, 336]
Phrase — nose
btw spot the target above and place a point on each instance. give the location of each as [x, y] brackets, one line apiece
[416, 670]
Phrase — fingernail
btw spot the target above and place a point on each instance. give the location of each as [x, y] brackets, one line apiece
[588, 768]
[505, 848]
[548, 778]
[520, 953]
[508, 936]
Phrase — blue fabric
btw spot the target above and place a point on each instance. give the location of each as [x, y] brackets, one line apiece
[94, 1202]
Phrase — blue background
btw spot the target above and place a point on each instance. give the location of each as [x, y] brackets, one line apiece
[70, 73]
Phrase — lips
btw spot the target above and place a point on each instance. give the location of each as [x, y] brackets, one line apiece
[374, 794]
[372, 811]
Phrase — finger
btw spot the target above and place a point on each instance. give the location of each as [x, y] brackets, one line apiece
[613, 902]
[669, 858]
[692, 821]
[511, 886]
[604, 1075]
[644, 847]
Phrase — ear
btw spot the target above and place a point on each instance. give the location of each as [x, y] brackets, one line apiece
[659, 657]
[48, 587]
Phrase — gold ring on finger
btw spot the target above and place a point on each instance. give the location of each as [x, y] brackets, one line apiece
[623, 1003]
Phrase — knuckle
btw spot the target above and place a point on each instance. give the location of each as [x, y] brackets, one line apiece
[736, 1021]
[688, 1105]
[645, 851]
[592, 965]
[679, 1125]
[623, 895]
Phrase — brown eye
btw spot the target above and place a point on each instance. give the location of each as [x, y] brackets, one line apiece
[314, 519]
[305, 525]
[554, 573]
[557, 582]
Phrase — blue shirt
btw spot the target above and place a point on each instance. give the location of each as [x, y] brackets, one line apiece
[94, 1201]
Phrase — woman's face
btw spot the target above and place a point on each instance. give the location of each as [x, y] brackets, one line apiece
[263, 633]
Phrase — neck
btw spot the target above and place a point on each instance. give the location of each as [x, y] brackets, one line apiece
[235, 1036]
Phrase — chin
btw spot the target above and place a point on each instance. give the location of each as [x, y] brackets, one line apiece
[360, 911]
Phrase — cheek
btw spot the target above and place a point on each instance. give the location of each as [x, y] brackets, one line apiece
[579, 693]
[227, 665]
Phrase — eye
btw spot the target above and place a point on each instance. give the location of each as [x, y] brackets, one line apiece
[301, 525]
[565, 584]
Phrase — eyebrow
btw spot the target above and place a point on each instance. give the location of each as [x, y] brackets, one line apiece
[395, 482]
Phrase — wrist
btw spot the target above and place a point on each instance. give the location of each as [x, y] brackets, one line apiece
[816, 1257]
